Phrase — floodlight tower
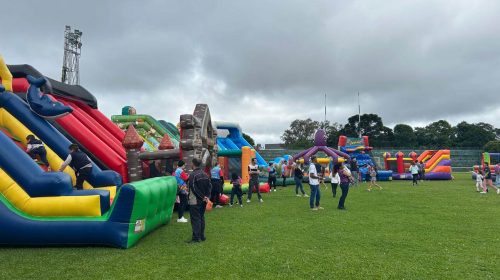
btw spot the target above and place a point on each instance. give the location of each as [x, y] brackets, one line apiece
[72, 51]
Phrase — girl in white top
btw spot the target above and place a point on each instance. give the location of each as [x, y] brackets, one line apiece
[335, 179]
[479, 182]
[372, 171]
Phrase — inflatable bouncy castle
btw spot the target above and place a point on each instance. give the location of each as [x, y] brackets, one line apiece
[40, 208]
[437, 164]
[360, 149]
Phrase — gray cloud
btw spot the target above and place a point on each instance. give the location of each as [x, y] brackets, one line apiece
[264, 64]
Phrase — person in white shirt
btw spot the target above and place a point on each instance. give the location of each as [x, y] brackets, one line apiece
[253, 171]
[314, 183]
[414, 173]
[335, 179]
[479, 182]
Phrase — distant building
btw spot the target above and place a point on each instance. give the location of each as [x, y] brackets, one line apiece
[277, 146]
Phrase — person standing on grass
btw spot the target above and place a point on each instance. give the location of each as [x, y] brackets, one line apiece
[283, 172]
[314, 183]
[414, 173]
[80, 163]
[354, 170]
[199, 188]
[422, 170]
[35, 147]
[253, 172]
[236, 190]
[335, 179]
[182, 191]
[479, 181]
[298, 174]
[217, 183]
[487, 178]
[345, 178]
[372, 171]
[271, 179]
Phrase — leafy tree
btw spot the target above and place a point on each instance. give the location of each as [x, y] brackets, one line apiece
[474, 135]
[438, 134]
[492, 146]
[249, 139]
[300, 134]
[404, 136]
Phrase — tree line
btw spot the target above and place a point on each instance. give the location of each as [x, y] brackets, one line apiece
[439, 134]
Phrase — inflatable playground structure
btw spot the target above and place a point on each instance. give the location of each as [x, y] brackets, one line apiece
[360, 149]
[437, 164]
[490, 159]
[118, 204]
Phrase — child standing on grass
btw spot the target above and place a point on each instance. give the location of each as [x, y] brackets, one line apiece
[479, 181]
[414, 173]
[335, 179]
[372, 170]
[236, 190]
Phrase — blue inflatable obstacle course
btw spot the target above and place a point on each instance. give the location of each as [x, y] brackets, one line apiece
[234, 140]
[359, 149]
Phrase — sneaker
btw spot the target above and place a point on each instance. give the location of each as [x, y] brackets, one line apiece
[369, 190]
[305, 195]
[320, 208]
[241, 205]
[314, 209]
[498, 191]
[218, 206]
[274, 189]
[298, 195]
[248, 200]
[182, 220]
[260, 200]
[230, 205]
[483, 192]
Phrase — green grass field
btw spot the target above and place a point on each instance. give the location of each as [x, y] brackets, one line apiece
[439, 230]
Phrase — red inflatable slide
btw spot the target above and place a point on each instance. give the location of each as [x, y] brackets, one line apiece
[92, 129]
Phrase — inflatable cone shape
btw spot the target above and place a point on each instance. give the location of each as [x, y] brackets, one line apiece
[132, 139]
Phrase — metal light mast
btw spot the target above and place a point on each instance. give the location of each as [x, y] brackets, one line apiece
[72, 51]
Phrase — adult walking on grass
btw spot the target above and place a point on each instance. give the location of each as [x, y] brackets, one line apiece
[345, 179]
[253, 172]
[314, 183]
[217, 185]
[488, 178]
[199, 187]
[298, 174]
[497, 174]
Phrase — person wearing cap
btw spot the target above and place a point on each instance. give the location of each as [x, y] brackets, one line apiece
[253, 171]
[80, 162]
[314, 183]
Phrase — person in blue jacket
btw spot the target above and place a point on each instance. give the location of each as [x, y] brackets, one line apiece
[217, 183]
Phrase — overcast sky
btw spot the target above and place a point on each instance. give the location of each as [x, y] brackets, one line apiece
[264, 63]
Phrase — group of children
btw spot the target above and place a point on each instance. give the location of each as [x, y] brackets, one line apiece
[484, 179]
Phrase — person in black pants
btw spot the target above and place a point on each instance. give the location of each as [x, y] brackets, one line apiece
[236, 190]
[345, 179]
[271, 179]
[80, 162]
[199, 187]
[35, 147]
